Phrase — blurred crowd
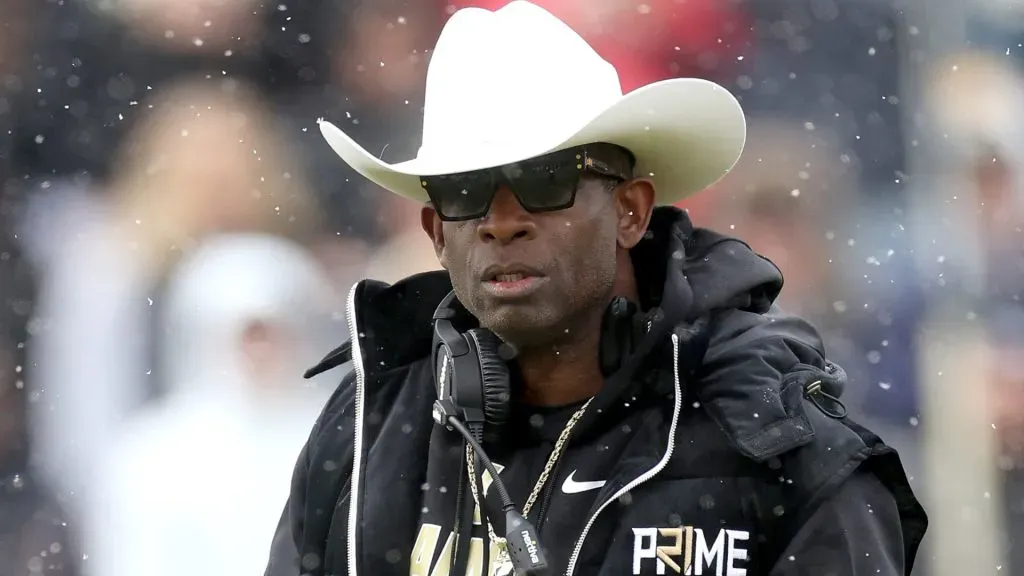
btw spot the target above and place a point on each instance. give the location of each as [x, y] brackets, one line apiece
[176, 243]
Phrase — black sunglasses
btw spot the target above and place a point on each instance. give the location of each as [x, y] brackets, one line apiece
[543, 184]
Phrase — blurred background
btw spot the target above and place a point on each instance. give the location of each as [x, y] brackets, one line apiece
[176, 241]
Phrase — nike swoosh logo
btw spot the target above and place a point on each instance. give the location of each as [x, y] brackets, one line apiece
[571, 486]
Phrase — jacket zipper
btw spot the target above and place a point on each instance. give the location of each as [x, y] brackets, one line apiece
[670, 448]
[357, 460]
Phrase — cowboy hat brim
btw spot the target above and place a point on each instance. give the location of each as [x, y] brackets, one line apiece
[685, 133]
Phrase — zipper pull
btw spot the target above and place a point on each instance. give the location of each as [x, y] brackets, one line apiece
[816, 393]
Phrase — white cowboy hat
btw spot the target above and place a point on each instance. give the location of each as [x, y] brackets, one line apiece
[517, 83]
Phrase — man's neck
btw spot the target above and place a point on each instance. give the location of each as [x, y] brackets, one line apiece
[564, 372]
[569, 370]
[562, 376]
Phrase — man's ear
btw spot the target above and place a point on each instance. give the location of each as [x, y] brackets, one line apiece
[432, 225]
[634, 201]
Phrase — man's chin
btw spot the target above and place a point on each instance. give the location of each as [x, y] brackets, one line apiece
[520, 328]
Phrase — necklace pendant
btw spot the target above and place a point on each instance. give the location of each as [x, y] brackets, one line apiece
[503, 564]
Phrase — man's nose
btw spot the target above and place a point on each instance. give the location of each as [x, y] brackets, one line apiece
[507, 220]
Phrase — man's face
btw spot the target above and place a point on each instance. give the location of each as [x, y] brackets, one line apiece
[534, 277]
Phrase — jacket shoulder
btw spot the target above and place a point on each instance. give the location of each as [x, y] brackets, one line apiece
[766, 383]
[321, 471]
[325, 463]
[757, 376]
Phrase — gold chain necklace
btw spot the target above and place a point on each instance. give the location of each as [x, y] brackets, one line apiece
[504, 562]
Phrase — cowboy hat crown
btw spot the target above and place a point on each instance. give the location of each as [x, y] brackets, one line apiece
[517, 83]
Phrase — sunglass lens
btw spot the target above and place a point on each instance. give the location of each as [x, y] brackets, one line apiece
[460, 196]
[545, 187]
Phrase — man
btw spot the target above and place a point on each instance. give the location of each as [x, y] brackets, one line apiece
[655, 414]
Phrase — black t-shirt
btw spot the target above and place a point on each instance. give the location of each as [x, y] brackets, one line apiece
[531, 437]
[571, 489]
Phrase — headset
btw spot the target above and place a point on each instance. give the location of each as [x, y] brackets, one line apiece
[470, 370]
[474, 392]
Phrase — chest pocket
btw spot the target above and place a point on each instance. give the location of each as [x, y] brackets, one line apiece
[693, 527]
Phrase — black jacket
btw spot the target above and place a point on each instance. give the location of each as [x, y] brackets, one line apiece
[720, 445]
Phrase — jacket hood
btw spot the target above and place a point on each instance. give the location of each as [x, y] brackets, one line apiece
[689, 271]
[736, 348]
[739, 354]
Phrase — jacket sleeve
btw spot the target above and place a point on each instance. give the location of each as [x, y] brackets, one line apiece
[855, 532]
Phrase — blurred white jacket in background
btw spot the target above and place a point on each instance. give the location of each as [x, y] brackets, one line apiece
[197, 483]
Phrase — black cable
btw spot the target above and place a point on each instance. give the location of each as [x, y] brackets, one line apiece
[525, 552]
[506, 501]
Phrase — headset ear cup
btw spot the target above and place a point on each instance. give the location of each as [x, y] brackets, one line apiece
[496, 380]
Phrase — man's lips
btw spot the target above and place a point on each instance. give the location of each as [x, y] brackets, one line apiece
[510, 273]
[510, 277]
[511, 281]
